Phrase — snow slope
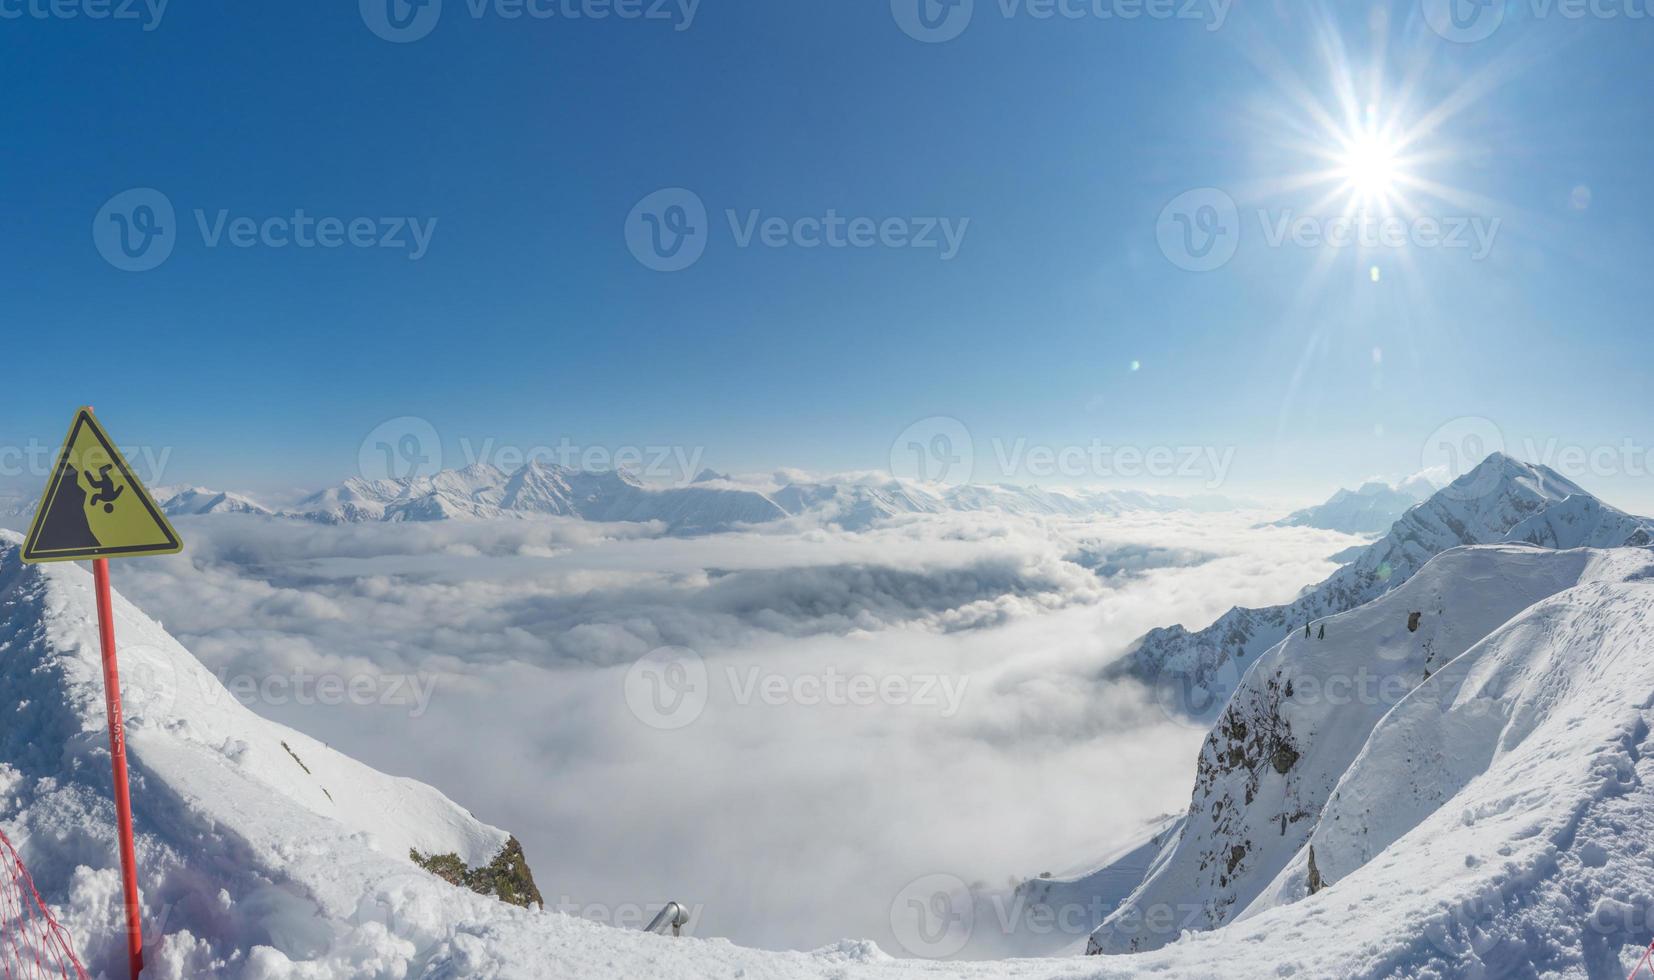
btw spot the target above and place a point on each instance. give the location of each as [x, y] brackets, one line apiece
[1501, 499]
[1306, 707]
[1074, 901]
[1488, 821]
[249, 832]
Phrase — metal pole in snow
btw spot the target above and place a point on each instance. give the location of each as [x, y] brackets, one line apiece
[117, 753]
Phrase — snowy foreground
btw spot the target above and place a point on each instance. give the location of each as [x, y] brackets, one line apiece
[1489, 821]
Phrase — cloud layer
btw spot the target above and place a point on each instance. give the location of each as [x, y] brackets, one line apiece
[875, 707]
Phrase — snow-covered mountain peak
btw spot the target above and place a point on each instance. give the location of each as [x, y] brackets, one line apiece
[1485, 506]
[538, 488]
[198, 501]
[1504, 478]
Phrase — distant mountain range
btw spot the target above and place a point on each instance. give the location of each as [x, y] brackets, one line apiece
[482, 492]
[174, 502]
[1368, 510]
[712, 502]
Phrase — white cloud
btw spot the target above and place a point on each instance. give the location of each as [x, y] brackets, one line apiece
[792, 824]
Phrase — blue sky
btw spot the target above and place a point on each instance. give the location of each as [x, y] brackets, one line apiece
[528, 319]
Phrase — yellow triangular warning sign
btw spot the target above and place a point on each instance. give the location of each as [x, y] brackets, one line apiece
[94, 507]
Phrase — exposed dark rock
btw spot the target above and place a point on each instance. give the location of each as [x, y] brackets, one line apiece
[507, 877]
[1283, 757]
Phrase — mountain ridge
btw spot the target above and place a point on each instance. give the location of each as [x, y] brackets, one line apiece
[1484, 506]
[1370, 509]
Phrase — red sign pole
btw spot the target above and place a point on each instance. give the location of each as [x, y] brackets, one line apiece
[117, 752]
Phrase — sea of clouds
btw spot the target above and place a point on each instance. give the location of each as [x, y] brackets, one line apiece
[873, 708]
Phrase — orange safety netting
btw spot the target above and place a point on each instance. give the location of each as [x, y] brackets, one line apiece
[1648, 955]
[32, 944]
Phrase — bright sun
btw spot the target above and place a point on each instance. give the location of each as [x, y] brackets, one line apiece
[1369, 165]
